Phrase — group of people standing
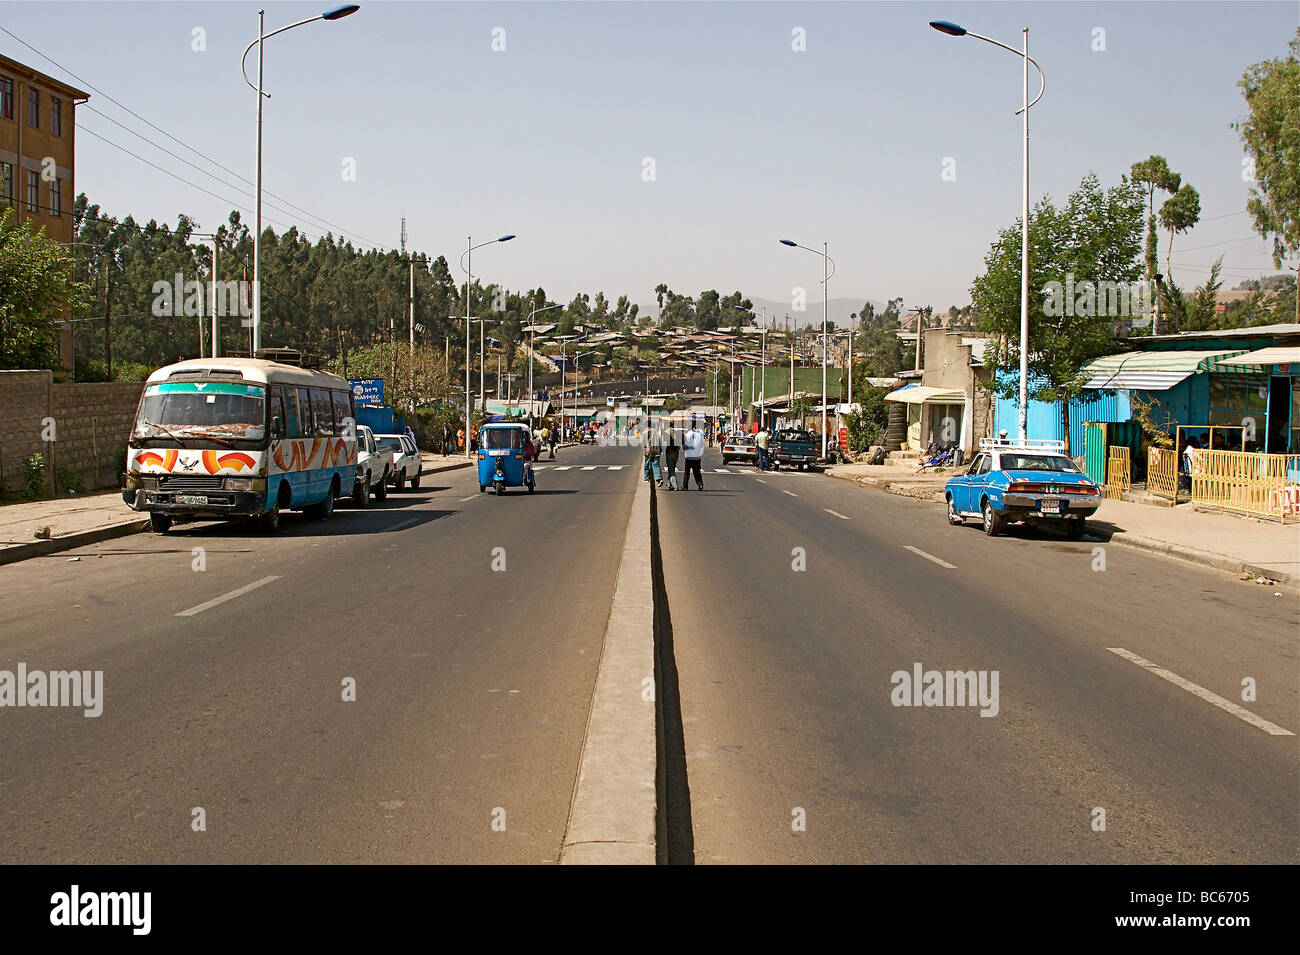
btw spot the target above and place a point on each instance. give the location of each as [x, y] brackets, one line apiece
[663, 447]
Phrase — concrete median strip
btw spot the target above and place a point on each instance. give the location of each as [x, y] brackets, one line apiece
[612, 815]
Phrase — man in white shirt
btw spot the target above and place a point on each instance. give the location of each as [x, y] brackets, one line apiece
[693, 452]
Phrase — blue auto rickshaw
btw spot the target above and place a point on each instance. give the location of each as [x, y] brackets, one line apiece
[505, 457]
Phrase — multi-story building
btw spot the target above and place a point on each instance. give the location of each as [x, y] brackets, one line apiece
[37, 149]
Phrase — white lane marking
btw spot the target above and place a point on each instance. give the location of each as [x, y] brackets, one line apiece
[470, 498]
[563, 467]
[724, 471]
[761, 481]
[615, 467]
[587, 467]
[836, 513]
[540, 467]
[405, 524]
[921, 553]
[791, 493]
[230, 596]
[1238, 711]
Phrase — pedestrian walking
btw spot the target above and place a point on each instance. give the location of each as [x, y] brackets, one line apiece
[760, 442]
[555, 439]
[671, 451]
[693, 452]
[650, 455]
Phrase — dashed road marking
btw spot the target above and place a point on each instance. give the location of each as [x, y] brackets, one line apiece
[405, 524]
[588, 467]
[230, 596]
[921, 553]
[836, 513]
[725, 471]
[1272, 729]
[563, 467]
[470, 498]
[791, 493]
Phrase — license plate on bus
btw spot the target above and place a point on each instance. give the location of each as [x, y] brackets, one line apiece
[1051, 507]
[191, 499]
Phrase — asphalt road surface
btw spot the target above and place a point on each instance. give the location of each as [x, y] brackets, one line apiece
[472, 685]
[787, 692]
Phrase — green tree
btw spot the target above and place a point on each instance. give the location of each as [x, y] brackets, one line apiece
[1271, 135]
[1154, 173]
[1095, 237]
[1196, 312]
[36, 284]
[1179, 213]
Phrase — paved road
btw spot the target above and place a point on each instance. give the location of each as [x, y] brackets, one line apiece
[473, 687]
[785, 682]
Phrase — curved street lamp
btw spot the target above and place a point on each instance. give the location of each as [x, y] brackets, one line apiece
[466, 267]
[338, 13]
[532, 358]
[952, 29]
[828, 269]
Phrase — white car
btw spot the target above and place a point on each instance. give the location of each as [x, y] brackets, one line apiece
[408, 465]
[374, 465]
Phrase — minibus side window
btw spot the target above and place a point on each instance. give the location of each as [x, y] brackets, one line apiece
[275, 409]
[304, 414]
[324, 411]
[291, 428]
[344, 421]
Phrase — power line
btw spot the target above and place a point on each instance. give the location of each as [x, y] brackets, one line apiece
[319, 224]
[179, 142]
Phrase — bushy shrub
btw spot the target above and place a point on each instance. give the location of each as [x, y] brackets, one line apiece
[34, 476]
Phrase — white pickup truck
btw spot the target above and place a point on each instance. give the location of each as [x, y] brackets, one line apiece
[374, 467]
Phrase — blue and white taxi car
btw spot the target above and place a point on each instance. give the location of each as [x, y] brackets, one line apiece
[1030, 481]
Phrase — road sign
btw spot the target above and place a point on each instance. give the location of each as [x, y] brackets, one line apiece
[368, 391]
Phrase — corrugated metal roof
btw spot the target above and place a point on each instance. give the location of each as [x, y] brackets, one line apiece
[924, 394]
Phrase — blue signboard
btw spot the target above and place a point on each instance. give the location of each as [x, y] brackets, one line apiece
[368, 391]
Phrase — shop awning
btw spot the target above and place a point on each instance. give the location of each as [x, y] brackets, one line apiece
[926, 395]
[1151, 370]
[1275, 355]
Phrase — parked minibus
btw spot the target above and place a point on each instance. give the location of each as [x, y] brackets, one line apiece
[221, 438]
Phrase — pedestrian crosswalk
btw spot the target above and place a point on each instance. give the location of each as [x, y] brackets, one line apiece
[585, 467]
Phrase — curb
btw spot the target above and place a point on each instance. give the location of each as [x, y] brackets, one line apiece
[613, 813]
[1189, 555]
[11, 555]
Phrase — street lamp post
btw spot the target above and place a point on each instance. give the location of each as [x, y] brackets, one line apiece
[953, 29]
[338, 13]
[828, 265]
[532, 357]
[467, 263]
[762, 388]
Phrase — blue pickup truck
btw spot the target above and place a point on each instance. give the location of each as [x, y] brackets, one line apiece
[794, 446]
[1029, 481]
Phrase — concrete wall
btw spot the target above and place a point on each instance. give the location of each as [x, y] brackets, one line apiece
[91, 420]
[947, 365]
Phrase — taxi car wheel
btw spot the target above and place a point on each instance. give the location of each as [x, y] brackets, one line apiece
[953, 517]
[1078, 527]
[992, 520]
[160, 523]
[531, 487]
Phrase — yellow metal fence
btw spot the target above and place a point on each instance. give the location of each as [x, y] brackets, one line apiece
[1162, 472]
[1265, 485]
[1118, 472]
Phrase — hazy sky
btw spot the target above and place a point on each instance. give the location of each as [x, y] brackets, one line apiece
[751, 140]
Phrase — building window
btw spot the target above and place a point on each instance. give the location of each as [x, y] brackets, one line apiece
[56, 197]
[6, 97]
[33, 191]
[1240, 400]
[7, 182]
[34, 108]
[56, 116]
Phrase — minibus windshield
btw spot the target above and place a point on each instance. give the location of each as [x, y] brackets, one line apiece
[216, 410]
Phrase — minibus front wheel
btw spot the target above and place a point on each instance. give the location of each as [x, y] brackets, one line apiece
[159, 522]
